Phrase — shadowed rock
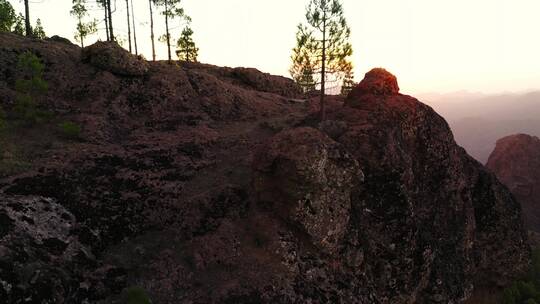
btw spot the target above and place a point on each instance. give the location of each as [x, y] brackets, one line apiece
[308, 179]
[180, 185]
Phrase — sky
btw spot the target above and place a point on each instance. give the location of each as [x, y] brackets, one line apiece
[488, 46]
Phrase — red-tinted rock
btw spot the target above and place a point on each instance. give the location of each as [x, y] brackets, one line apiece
[516, 162]
[377, 83]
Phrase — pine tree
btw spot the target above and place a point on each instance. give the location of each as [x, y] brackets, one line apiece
[19, 28]
[303, 65]
[348, 80]
[39, 32]
[27, 26]
[7, 16]
[128, 25]
[152, 30]
[108, 18]
[171, 10]
[84, 29]
[134, 29]
[103, 4]
[186, 49]
[326, 38]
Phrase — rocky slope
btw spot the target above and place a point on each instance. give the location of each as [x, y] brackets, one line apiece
[216, 185]
[516, 162]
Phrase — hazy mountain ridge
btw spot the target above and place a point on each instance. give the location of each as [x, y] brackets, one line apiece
[479, 120]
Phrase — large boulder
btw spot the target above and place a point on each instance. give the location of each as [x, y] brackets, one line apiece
[308, 179]
[110, 56]
[377, 83]
[516, 162]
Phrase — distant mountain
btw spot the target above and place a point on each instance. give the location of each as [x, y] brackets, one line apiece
[478, 120]
[516, 162]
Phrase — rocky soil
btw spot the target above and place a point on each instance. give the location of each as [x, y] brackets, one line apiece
[516, 162]
[203, 184]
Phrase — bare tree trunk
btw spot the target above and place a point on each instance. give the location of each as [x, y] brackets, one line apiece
[128, 24]
[106, 21]
[27, 19]
[323, 71]
[111, 32]
[134, 31]
[152, 31]
[167, 30]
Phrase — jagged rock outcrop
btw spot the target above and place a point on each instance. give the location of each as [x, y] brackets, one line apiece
[203, 186]
[516, 162]
[422, 222]
[111, 57]
[308, 179]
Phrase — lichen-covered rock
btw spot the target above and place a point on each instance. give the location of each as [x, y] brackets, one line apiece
[109, 56]
[308, 179]
[516, 162]
[41, 245]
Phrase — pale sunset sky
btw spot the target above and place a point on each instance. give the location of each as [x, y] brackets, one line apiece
[488, 46]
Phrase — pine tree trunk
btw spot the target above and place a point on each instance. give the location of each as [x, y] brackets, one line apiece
[128, 24]
[106, 21]
[167, 30]
[109, 11]
[152, 31]
[27, 19]
[134, 31]
[323, 71]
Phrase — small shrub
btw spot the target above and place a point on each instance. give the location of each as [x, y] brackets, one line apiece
[70, 130]
[136, 295]
[30, 86]
[527, 290]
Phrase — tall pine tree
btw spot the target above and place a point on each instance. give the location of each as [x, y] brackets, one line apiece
[27, 26]
[186, 49]
[128, 25]
[326, 40]
[150, 3]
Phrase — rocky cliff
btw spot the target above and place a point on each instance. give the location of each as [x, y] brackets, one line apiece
[202, 184]
[516, 162]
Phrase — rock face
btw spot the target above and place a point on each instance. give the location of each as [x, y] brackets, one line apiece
[516, 162]
[203, 186]
[308, 179]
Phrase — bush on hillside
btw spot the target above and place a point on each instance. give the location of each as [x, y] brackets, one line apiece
[70, 130]
[526, 291]
[30, 86]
